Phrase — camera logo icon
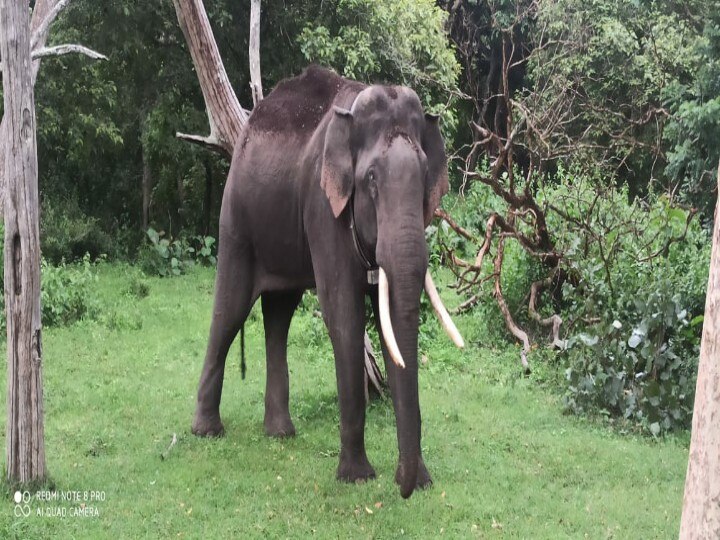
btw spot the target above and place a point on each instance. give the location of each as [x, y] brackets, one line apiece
[22, 506]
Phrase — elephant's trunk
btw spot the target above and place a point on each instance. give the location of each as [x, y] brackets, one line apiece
[405, 272]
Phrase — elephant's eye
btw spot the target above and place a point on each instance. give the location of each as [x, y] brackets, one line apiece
[372, 184]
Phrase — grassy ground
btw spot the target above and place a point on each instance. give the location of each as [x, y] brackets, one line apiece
[506, 462]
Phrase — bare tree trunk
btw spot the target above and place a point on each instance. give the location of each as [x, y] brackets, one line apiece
[207, 201]
[254, 52]
[225, 114]
[25, 431]
[146, 189]
[701, 511]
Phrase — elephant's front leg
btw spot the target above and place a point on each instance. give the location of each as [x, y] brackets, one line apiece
[344, 313]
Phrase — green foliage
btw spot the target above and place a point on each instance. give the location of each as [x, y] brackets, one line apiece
[641, 84]
[646, 373]
[400, 42]
[635, 295]
[66, 295]
[694, 130]
[67, 234]
[172, 257]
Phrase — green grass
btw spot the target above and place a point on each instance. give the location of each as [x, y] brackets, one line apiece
[506, 462]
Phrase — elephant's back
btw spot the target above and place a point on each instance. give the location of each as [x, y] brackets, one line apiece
[297, 105]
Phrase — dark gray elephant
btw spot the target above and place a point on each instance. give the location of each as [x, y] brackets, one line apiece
[329, 179]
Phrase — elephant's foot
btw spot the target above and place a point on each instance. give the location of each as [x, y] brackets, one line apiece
[355, 470]
[423, 476]
[279, 426]
[207, 425]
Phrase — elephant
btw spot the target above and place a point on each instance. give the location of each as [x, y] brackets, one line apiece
[331, 186]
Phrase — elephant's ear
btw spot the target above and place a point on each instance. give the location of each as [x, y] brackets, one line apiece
[436, 184]
[336, 178]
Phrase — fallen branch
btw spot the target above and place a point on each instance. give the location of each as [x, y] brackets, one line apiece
[166, 453]
[442, 214]
[516, 331]
[372, 372]
[554, 320]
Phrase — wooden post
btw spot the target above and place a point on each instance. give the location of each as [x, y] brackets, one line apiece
[25, 430]
[701, 504]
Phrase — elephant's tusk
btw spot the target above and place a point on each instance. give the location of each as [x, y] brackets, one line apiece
[385, 323]
[442, 313]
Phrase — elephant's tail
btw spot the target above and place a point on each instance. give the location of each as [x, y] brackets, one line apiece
[243, 368]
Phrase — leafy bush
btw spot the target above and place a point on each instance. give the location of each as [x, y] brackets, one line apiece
[173, 257]
[66, 296]
[138, 288]
[67, 234]
[644, 370]
[633, 301]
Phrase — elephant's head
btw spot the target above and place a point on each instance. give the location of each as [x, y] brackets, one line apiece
[385, 157]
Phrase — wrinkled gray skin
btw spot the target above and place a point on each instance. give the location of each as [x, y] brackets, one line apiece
[284, 228]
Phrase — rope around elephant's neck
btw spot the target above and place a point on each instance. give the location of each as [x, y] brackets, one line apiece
[364, 259]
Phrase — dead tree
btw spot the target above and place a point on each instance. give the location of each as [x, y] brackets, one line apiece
[22, 44]
[25, 428]
[225, 114]
[701, 512]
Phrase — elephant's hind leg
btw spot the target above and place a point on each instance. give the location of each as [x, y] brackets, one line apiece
[278, 309]
[234, 297]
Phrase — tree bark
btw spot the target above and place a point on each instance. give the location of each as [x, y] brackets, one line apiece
[207, 200]
[225, 114]
[254, 52]
[701, 504]
[25, 430]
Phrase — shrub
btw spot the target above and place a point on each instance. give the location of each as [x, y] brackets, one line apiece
[66, 296]
[173, 257]
[67, 234]
[138, 288]
[633, 303]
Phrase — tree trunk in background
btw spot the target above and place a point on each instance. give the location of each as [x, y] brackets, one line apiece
[701, 507]
[25, 431]
[207, 201]
[146, 189]
[180, 203]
